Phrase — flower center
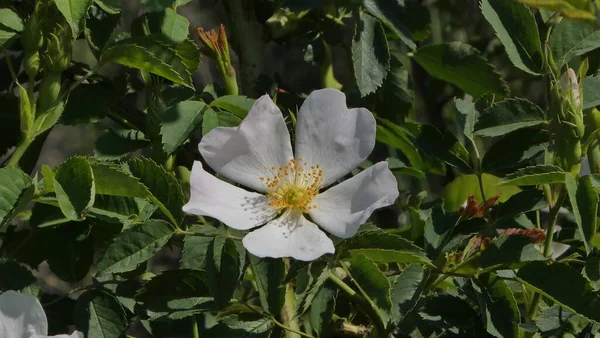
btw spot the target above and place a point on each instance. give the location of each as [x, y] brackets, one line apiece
[293, 186]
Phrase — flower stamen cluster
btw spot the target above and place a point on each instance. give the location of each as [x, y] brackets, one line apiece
[293, 186]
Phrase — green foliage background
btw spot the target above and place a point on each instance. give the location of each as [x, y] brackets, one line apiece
[468, 101]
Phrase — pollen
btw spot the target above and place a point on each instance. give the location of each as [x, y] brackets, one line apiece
[293, 186]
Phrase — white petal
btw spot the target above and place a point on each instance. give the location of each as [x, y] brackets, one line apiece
[236, 207]
[21, 316]
[241, 153]
[344, 207]
[331, 135]
[75, 334]
[291, 235]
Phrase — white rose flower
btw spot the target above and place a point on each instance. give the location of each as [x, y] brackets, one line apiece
[331, 140]
[22, 316]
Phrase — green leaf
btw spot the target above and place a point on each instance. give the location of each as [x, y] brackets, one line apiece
[238, 105]
[591, 271]
[75, 187]
[515, 148]
[269, 274]
[457, 192]
[249, 325]
[175, 290]
[113, 181]
[437, 228]
[74, 12]
[309, 281]
[397, 137]
[552, 319]
[467, 115]
[89, 103]
[498, 306]
[213, 119]
[509, 115]
[190, 52]
[99, 31]
[395, 98]
[522, 202]
[591, 91]
[14, 276]
[573, 9]
[151, 53]
[16, 190]
[99, 314]
[48, 118]
[178, 121]
[222, 269]
[72, 254]
[534, 175]
[164, 188]
[571, 38]
[110, 6]
[135, 246]
[115, 144]
[509, 252]
[444, 147]
[174, 27]
[406, 292]
[382, 247]
[372, 281]
[584, 202]
[516, 28]
[550, 281]
[399, 167]
[195, 248]
[392, 15]
[461, 65]
[370, 55]
[322, 309]
[157, 5]
[10, 20]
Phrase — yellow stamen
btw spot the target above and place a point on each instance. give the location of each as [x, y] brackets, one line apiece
[293, 186]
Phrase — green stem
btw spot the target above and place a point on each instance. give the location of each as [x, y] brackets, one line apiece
[19, 151]
[367, 303]
[447, 274]
[592, 123]
[288, 312]
[83, 288]
[290, 329]
[346, 328]
[195, 333]
[229, 77]
[328, 79]
[554, 210]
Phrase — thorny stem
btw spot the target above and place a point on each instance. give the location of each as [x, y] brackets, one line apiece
[447, 274]
[26, 141]
[554, 210]
[83, 288]
[15, 157]
[288, 313]
[362, 298]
